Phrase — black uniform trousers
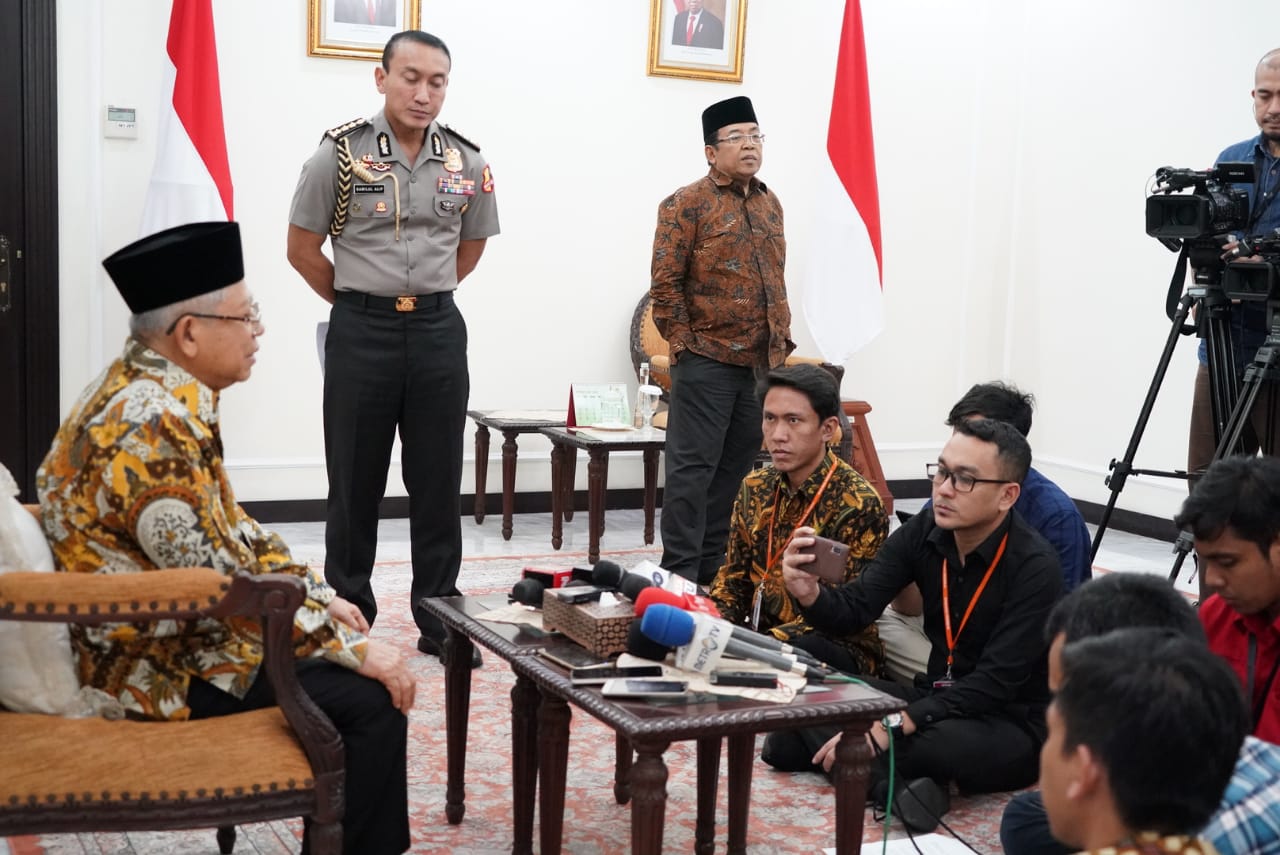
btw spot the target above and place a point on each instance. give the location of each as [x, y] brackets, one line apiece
[374, 735]
[987, 754]
[713, 437]
[386, 370]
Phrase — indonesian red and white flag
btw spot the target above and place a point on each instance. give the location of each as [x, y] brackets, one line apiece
[843, 299]
[191, 181]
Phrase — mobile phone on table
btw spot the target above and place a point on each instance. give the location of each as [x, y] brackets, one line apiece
[569, 655]
[632, 688]
[597, 675]
[831, 561]
[748, 679]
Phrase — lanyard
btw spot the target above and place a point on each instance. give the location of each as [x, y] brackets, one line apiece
[772, 557]
[1259, 705]
[946, 604]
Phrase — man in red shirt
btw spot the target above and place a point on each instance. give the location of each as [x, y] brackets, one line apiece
[1234, 513]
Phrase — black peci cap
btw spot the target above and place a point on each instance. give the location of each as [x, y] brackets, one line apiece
[731, 111]
[177, 264]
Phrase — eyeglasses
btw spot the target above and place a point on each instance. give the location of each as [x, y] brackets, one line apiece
[960, 482]
[739, 139]
[251, 320]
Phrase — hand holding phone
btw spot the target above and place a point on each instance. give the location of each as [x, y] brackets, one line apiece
[830, 561]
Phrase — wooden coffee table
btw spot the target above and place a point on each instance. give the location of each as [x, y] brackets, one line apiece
[511, 423]
[565, 443]
[540, 714]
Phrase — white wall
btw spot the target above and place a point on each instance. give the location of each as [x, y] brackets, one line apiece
[1014, 141]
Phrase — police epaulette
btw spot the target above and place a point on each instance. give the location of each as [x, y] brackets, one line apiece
[344, 129]
[454, 133]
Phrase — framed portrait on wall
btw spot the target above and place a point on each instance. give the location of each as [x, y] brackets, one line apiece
[358, 29]
[697, 39]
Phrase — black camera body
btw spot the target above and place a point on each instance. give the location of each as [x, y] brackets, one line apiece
[1255, 280]
[1213, 206]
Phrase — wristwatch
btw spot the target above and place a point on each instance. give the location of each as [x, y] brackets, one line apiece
[893, 724]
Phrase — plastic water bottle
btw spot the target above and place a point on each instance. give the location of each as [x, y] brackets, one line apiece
[638, 418]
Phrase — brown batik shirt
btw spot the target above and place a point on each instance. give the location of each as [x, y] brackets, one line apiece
[849, 511]
[718, 287]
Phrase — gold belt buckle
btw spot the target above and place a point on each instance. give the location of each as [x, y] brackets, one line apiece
[406, 303]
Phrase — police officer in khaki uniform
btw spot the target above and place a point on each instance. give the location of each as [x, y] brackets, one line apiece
[409, 204]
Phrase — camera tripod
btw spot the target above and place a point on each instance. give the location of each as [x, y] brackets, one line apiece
[1229, 406]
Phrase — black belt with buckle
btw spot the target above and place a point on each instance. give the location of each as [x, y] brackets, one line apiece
[405, 303]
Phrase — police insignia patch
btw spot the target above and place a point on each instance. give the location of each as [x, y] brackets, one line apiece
[384, 145]
[486, 179]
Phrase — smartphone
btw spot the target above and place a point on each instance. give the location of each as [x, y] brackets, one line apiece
[575, 595]
[596, 675]
[631, 688]
[570, 656]
[831, 562]
[750, 679]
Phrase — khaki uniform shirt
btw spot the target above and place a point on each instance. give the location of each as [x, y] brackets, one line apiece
[437, 209]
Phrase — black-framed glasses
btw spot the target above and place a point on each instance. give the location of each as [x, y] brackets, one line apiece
[739, 139]
[960, 482]
[251, 320]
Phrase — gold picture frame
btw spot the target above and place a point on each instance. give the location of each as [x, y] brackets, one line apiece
[709, 50]
[339, 29]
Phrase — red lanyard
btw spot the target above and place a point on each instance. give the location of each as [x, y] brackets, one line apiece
[946, 605]
[771, 556]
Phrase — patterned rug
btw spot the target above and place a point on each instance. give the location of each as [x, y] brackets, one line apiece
[790, 813]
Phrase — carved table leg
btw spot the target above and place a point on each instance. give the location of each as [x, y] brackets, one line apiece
[742, 754]
[482, 469]
[597, 490]
[524, 761]
[648, 798]
[570, 481]
[650, 491]
[553, 757]
[622, 770]
[850, 774]
[704, 827]
[508, 480]
[558, 452]
[457, 692]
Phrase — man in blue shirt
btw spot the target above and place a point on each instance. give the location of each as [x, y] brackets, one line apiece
[1042, 503]
[1248, 322]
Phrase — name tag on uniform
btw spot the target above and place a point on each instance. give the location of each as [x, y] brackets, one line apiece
[369, 188]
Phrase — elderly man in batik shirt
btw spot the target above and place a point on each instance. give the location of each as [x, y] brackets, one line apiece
[807, 485]
[135, 481]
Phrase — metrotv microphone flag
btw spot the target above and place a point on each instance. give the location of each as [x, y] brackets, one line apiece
[843, 299]
[191, 181]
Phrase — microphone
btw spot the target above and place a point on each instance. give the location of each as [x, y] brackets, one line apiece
[633, 586]
[639, 644]
[689, 603]
[700, 641]
[527, 592]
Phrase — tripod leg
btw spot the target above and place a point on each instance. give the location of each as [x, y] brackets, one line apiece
[1120, 469]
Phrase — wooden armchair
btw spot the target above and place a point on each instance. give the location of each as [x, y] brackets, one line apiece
[90, 774]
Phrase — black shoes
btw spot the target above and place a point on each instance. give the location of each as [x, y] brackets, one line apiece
[432, 647]
[920, 804]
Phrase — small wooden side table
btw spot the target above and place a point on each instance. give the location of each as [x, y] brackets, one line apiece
[511, 423]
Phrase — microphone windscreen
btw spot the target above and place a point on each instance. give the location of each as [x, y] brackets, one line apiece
[607, 574]
[633, 585]
[528, 592]
[639, 644]
[667, 625]
[654, 596]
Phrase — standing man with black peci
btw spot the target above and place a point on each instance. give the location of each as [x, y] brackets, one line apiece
[409, 204]
[720, 301]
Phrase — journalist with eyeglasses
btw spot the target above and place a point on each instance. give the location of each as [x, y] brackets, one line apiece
[975, 717]
[720, 301]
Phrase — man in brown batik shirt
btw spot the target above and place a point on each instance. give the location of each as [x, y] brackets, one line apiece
[720, 301]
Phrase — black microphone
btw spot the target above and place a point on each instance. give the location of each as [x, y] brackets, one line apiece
[673, 627]
[639, 644]
[527, 592]
[633, 585]
[607, 574]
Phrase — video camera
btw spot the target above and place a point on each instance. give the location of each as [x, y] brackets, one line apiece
[1254, 280]
[1213, 206]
